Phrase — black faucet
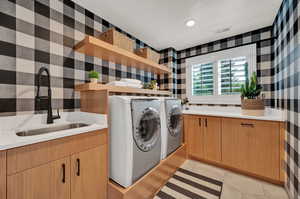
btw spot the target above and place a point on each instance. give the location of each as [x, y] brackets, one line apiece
[38, 98]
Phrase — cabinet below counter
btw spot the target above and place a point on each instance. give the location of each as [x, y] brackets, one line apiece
[253, 147]
[72, 167]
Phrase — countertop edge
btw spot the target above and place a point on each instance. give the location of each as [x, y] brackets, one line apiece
[263, 118]
[53, 136]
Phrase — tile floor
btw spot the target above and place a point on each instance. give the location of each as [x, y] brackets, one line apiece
[236, 186]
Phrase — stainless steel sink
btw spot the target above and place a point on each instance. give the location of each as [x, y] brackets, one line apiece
[50, 129]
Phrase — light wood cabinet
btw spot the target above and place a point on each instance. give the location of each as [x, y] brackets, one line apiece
[203, 137]
[265, 144]
[251, 146]
[234, 144]
[2, 174]
[81, 173]
[212, 138]
[88, 172]
[61, 178]
[49, 181]
[194, 135]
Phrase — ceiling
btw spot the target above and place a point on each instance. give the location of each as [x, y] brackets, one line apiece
[161, 23]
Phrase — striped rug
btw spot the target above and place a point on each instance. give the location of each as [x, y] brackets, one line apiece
[186, 184]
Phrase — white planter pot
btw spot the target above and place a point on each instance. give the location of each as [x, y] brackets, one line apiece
[93, 80]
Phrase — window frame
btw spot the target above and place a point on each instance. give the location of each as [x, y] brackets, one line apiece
[248, 51]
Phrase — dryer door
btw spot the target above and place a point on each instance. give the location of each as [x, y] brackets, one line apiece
[147, 132]
[175, 120]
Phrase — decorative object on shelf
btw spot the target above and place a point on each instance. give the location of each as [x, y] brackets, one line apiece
[252, 101]
[94, 76]
[184, 103]
[152, 85]
[116, 38]
[148, 54]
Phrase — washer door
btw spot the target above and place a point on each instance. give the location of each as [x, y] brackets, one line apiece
[147, 132]
[175, 120]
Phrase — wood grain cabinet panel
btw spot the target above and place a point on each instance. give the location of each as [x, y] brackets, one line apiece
[30, 156]
[88, 172]
[194, 135]
[26, 157]
[264, 155]
[212, 138]
[234, 144]
[49, 181]
[37, 172]
[61, 179]
[252, 146]
[204, 137]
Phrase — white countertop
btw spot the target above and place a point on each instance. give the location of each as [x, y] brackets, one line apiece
[234, 112]
[10, 125]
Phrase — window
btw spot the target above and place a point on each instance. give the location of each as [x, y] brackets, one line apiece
[203, 79]
[217, 77]
[232, 74]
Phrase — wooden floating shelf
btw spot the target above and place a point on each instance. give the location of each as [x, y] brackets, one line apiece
[119, 89]
[95, 47]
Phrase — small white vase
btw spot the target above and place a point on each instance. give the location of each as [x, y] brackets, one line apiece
[93, 80]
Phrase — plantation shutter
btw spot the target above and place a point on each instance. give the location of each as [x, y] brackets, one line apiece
[203, 79]
[232, 75]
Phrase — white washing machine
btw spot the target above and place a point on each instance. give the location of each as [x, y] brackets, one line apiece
[164, 128]
[135, 137]
[174, 125]
[171, 125]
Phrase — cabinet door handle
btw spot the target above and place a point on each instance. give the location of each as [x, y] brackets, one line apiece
[199, 120]
[205, 122]
[78, 167]
[247, 125]
[64, 173]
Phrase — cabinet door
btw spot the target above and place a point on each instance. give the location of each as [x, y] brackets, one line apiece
[61, 179]
[235, 144]
[193, 127]
[89, 174]
[263, 155]
[212, 138]
[49, 181]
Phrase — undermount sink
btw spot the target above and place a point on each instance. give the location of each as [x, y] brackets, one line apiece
[50, 129]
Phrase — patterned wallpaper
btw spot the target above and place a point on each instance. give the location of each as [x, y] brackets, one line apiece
[169, 58]
[264, 42]
[287, 85]
[37, 33]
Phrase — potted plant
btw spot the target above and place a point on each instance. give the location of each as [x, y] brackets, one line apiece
[94, 76]
[152, 85]
[250, 97]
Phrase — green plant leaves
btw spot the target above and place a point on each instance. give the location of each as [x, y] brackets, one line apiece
[251, 90]
[93, 74]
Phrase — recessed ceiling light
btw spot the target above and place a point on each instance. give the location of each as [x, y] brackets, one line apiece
[190, 23]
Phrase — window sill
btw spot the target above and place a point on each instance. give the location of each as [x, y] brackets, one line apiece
[234, 100]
